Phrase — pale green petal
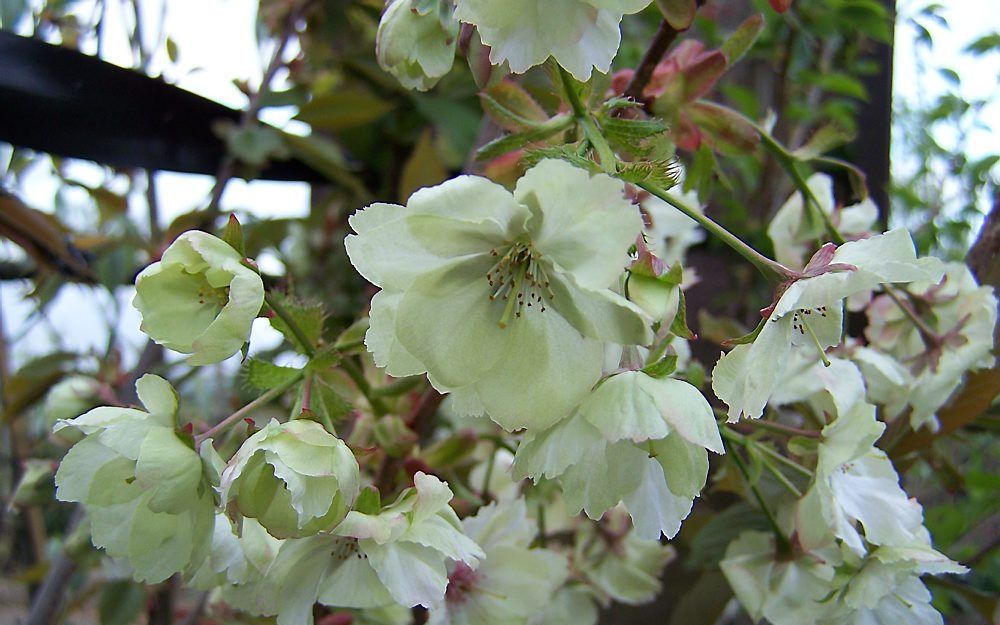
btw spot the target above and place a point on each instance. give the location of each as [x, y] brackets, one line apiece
[550, 452]
[159, 398]
[111, 526]
[546, 370]
[432, 496]
[413, 574]
[353, 584]
[167, 297]
[791, 228]
[447, 321]
[501, 524]
[686, 411]
[169, 469]
[654, 508]
[581, 222]
[160, 544]
[464, 216]
[444, 538]
[296, 574]
[888, 257]
[827, 324]
[78, 467]
[601, 482]
[621, 408]
[366, 526]
[381, 340]
[230, 329]
[600, 314]
[625, 7]
[746, 376]
[100, 418]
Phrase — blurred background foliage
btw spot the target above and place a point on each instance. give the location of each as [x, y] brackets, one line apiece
[816, 77]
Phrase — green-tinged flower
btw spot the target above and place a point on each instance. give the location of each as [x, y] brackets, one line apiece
[236, 559]
[809, 313]
[512, 583]
[636, 439]
[503, 299]
[144, 488]
[199, 299]
[618, 564]
[580, 34]
[573, 604]
[397, 556]
[795, 228]
[963, 316]
[71, 397]
[295, 478]
[783, 591]
[416, 41]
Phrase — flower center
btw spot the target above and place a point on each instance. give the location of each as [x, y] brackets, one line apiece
[518, 279]
[212, 296]
[461, 582]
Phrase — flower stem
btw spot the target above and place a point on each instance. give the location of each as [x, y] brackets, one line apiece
[358, 377]
[787, 162]
[784, 545]
[770, 269]
[293, 325]
[784, 429]
[245, 410]
[930, 337]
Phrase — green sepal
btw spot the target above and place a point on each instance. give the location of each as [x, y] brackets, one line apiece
[233, 235]
[308, 316]
[662, 367]
[679, 325]
[369, 501]
[264, 375]
[747, 338]
[353, 337]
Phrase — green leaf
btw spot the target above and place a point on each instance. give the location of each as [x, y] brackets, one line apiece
[264, 375]
[308, 316]
[344, 108]
[619, 127]
[121, 602]
[661, 368]
[327, 402]
[326, 157]
[826, 138]
[423, 168]
[742, 38]
[369, 501]
[703, 603]
[709, 545]
[986, 43]
[509, 143]
[679, 325]
[678, 13]
[512, 107]
[725, 130]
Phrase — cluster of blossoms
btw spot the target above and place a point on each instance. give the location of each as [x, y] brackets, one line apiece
[552, 318]
[417, 39]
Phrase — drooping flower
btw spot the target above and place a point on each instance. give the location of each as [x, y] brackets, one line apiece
[236, 559]
[294, 478]
[617, 564]
[580, 34]
[794, 230]
[963, 316]
[636, 439]
[503, 299]
[785, 591]
[371, 560]
[512, 583]
[144, 488]
[199, 299]
[416, 42]
[808, 314]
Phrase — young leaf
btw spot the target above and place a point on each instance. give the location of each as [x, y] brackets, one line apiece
[264, 375]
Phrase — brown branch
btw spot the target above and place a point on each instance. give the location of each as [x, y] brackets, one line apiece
[665, 36]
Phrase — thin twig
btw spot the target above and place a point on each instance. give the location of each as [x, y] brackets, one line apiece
[254, 102]
[665, 35]
[245, 410]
